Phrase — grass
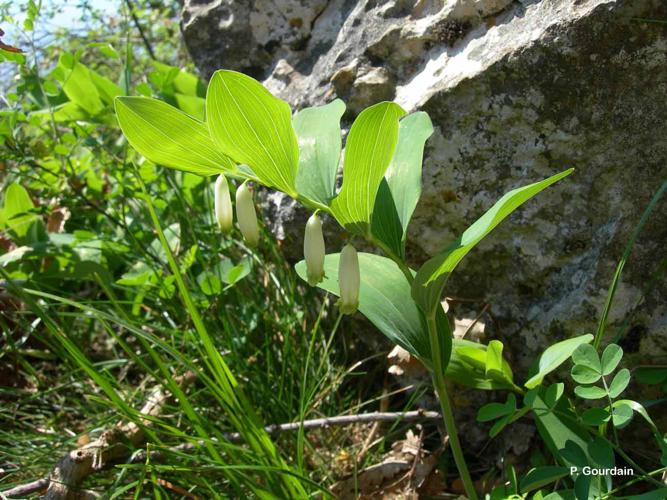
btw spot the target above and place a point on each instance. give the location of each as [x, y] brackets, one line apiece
[84, 352]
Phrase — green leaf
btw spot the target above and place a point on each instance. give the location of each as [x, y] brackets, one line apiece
[593, 392]
[659, 494]
[587, 356]
[231, 273]
[400, 189]
[541, 476]
[553, 394]
[493, 411]
[619, 383]
[622, 415]
[182, 81]
[595, 416]
[209, 283]
[558, 427]
[432, 277]
[192, 105]
[319, 137]
[467, 367]
[108, 90]
[81, 90]
[554, 356]
[494, 360]
[611, 357]
[584, 374]
[560, 495]
[369, 150]
[169, 137]
[384, 298]
[17, 211]
[582, 487]
[574, 454]
[601, 452]
[254, 128]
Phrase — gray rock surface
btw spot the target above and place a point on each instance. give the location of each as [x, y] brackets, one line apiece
[517, 90]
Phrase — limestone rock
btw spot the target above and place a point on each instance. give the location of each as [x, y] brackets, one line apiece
[517, 91]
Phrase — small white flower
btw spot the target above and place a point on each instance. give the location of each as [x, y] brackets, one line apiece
[348, 280]
[246, 215]
[313, 250]
[223, 204]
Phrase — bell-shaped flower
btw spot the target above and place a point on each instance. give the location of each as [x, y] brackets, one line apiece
[246, 215]
[313, 250]
[348, 280]
[223, 204]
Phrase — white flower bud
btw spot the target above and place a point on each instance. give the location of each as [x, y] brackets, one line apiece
[313, 250]
[223, 204]
[246, 216]
[348, 280]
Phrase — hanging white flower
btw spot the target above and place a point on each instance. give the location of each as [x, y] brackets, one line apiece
[246, 215]
[313, 250]
[224, 213]
[348, 280]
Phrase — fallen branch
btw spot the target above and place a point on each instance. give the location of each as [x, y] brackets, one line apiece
[112, 446]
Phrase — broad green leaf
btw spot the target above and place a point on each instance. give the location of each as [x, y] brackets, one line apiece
[584, 374]
[182, 81]
[81, 90]
[574, 454]
[619, 383]
[108, 90]
[319, 137]
[467, 366]
[66, 112]
[560, 495]
[17, 210]
[601, 452]
[369, 150]
[192, 105]
[169, 137]
[582, 487]
[554, 356]
[557, 427]
[611, 357]
[553, 394]
[593, 392]
[254, 128]
[494, 360]
[659, 494]
[541, 476]
[384, 298]
[595, 416]
[586, 355]
[432, 277]
[474, 356]
[401, 188]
